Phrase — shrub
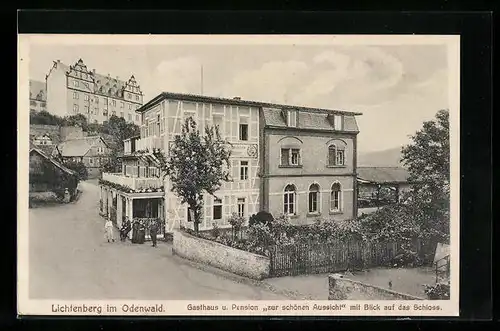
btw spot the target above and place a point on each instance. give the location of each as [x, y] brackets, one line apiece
[262, 217]
[215, 231]
[439, 291]
[236, 222]
[79, 168]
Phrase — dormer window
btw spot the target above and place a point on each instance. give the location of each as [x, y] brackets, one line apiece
[291, 117]
[337, 122]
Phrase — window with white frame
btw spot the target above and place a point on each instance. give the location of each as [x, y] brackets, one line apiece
[336, 198]
[217, 209]
[292, 118]
[75, 83]
[241, 207]
[243, 170]
[290, 156]
[336, 155]
[86, 97]
[75, 109]
[337, 122]
[75, 95]
[314, 198]
[243, 128]
[290, 200]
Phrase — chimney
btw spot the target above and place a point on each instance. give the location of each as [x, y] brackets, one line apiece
[237, 98]
[93, 71]
[58, 61]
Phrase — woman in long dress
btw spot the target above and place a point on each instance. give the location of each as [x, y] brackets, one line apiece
[108, 228]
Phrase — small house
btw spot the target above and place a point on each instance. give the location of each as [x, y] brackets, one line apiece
[46, 175]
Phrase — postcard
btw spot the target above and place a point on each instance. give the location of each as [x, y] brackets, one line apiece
[255, 175]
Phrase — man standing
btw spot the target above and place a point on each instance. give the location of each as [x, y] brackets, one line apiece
[153, 230]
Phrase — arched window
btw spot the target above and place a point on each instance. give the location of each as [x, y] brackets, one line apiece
[290, 200]
[336, 155]
[314, 198]
[336, 198]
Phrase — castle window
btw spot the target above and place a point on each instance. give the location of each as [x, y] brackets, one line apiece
[75, 95]
[86, 97]
[137, 97]
[75, 109]
[75, 83]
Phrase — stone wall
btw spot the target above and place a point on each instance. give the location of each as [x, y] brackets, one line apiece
[341, 288]
[220, 256]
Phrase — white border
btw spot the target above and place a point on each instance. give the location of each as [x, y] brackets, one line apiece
[27, 306]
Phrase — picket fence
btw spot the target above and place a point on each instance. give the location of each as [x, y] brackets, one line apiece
[314, 257]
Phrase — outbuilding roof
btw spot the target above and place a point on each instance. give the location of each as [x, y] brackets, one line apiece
[79, 146]
[51, 160]
[383, 175]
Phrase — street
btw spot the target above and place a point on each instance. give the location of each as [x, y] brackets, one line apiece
[70, 260]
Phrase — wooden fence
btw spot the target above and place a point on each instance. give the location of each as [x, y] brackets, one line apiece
[313, 258]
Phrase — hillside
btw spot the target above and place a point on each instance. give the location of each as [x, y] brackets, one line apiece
[385, 158]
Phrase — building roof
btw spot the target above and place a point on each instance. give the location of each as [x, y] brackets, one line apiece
[37, 90]
[383, 175]
[307, 120]
[79, 146]
[34, 149]
[103, 84]
[236, 102]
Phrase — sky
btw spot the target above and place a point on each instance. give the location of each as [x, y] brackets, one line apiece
[396, 87]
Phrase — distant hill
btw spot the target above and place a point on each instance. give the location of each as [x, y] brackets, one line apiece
[385, 158]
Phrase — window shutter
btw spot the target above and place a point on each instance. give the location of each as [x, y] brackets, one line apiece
[285, 154]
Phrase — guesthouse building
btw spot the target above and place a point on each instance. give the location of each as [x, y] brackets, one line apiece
[291, 160]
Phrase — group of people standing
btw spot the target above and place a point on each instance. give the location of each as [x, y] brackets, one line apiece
[153, 226]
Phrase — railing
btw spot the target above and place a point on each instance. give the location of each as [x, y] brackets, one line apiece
[148, 143]
[442, 268]
[135, 183]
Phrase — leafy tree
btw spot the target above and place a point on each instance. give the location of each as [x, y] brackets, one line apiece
[120, 130]
[77, 120]
[196, 165]
[44, 117]
[79, 168]
[427, 160]
[114, 164]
